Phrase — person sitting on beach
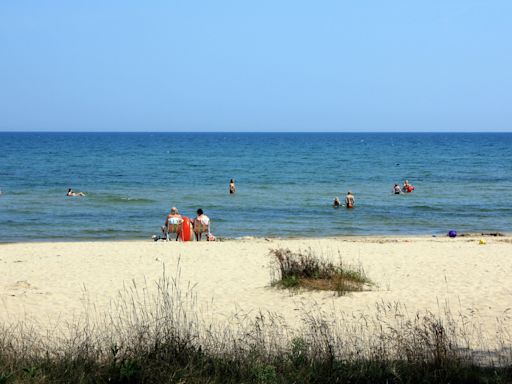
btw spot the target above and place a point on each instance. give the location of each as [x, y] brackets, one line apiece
[173, 218]
[200, 222]
[336, 202]
[350, 200]
[232, 188]
[407, 187]
[73, 194]
[396, 189]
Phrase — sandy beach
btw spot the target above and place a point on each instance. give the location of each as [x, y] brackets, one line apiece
[50, 283]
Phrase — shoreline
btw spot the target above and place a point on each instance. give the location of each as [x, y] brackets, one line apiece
[498, 234]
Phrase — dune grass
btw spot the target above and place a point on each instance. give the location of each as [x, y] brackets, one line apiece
[304, 269]
[155, 334]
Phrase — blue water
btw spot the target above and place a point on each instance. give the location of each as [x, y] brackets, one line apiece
[285, 183]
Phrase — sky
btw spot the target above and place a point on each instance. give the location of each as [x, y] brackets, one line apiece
[265, 65]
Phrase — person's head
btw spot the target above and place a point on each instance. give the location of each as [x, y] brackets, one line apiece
[174, 210]
[199, 212]
[69, 190]
[231, 181]
[349, 193]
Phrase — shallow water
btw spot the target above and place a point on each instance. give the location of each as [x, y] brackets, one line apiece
[285, 183]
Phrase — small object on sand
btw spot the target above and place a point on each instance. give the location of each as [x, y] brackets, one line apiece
[452, 234]
[482, 242]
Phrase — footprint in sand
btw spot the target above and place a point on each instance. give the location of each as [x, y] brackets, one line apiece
[20, 285]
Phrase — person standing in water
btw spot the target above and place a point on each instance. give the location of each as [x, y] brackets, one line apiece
[350, 200]
[407, 187]
[336, 203]
[232, 188]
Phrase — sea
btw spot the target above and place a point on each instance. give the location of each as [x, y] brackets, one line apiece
[286, 183]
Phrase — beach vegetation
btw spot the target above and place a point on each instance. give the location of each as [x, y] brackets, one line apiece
[157, 335]
[305, 269]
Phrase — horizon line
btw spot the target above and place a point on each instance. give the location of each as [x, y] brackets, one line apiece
[238, 132]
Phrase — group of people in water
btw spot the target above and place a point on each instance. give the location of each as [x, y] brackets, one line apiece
[350, 200]
[174, 219]
[407, 188]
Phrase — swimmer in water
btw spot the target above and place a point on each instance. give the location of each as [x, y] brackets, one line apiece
[336, 203]
[350, 200]
[74, 194]
[396, 189]
[407, 187]
[232, 188]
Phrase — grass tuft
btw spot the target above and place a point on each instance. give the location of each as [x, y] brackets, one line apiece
[303, 269]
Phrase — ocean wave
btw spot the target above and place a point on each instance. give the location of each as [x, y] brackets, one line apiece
[118, 199]
[16, 193]
[108, 231]
[424, 207]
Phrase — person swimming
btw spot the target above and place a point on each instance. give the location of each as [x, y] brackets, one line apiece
[396, 189]
[74, 194]
[336, 203]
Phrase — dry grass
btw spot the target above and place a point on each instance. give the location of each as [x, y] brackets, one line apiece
[155, 334]
[303, 269]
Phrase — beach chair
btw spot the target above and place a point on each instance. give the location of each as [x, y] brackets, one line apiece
[173, 228]
[200, 228]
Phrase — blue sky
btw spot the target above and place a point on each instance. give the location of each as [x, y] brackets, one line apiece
[266, 65]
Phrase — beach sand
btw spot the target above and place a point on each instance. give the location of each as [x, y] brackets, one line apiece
[50, 283]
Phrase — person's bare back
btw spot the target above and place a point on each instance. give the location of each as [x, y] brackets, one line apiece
[173, 217]
[232, 188]
[350, 200]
